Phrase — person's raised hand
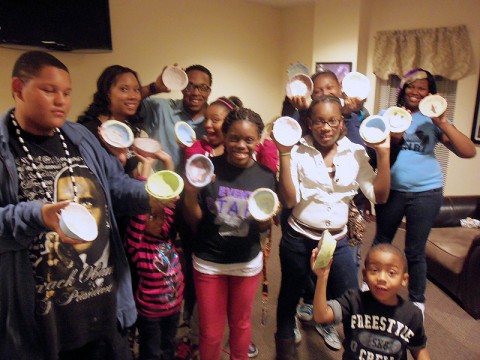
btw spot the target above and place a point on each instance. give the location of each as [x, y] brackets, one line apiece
[159, 85]
[299, 102]
[352, 104]
[320, 272]
[381, 146]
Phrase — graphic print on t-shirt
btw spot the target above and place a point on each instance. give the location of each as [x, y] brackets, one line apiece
[232, 210]
[72, 281]
[68, 273]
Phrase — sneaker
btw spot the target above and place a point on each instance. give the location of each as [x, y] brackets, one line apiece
[330, 335]
[305, 312]
[185, 350]
[252, 350]
[296, 332]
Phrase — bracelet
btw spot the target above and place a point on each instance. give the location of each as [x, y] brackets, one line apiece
[285, 154]
[152, 88]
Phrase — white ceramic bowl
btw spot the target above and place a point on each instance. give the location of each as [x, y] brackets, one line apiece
[374, 129]
[164, 184]
[297, 68]
[263, 204]
[398, 118]
[117, 134]
[355, 84]
[175, 78]
[326, 246]
[146, 147]
[432, 105]
[299, 85]
[287, 131]
[77, 222]
[199, 170]
[184, 133]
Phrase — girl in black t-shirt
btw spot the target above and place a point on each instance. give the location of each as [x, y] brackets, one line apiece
[227, 256]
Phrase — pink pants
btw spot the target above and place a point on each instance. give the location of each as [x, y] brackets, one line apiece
[219, 297]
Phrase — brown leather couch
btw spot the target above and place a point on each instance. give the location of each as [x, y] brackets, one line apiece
[453, 252]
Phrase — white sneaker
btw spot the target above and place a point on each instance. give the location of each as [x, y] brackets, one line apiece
[329, 335]
[421, 306]
[296, 332]
[305, 312]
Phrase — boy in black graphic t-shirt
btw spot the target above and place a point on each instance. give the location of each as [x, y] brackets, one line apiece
[60, 298]
[378, 324]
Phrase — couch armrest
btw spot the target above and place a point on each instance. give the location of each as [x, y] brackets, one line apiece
[469, 288]
[455, 208]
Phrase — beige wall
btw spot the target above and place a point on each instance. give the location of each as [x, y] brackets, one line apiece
[350, 37]
[297, 38]
[240, 42]
[463, 176]
[248, 47]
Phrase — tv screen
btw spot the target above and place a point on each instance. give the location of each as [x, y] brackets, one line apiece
[65, 25]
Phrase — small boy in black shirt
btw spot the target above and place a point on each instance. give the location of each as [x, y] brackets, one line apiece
[378, 324]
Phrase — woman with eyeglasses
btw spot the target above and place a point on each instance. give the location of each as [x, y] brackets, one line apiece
[318, 178]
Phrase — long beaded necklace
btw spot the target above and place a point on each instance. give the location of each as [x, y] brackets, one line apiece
[49, 197]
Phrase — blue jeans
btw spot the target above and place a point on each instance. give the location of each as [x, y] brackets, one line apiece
[420, 210]
[295, 252]
[157, 337]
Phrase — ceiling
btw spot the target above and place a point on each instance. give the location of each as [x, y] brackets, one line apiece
[282, 3]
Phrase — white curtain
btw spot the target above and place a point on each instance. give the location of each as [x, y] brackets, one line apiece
[445, 51]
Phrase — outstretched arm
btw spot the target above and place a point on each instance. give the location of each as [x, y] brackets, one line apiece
[155, 87]
[453, 139]
[322, 313]
[286, 186]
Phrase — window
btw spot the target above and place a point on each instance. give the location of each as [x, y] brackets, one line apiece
[387, 96]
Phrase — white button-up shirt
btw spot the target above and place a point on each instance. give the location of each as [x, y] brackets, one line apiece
[322, 201]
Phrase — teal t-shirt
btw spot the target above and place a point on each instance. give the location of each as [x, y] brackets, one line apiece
[416, 168]
[160, 116]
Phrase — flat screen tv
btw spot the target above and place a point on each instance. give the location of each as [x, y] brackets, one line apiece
[63, 25]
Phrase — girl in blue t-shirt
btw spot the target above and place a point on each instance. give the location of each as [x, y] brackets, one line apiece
[416, 178]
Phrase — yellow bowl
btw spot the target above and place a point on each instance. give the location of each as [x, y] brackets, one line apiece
[164, 185]
[326, 248]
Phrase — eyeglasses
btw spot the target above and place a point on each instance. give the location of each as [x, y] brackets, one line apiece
[331, 122]
[202, 88]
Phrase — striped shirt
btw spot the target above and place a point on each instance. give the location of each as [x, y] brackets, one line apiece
[160, 286]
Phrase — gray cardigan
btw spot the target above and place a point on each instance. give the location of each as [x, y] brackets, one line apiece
[20, 222]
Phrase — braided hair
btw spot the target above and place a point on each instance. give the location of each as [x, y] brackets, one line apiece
[243, 114]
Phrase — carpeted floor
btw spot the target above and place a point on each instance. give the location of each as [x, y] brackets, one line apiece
[452, 333]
